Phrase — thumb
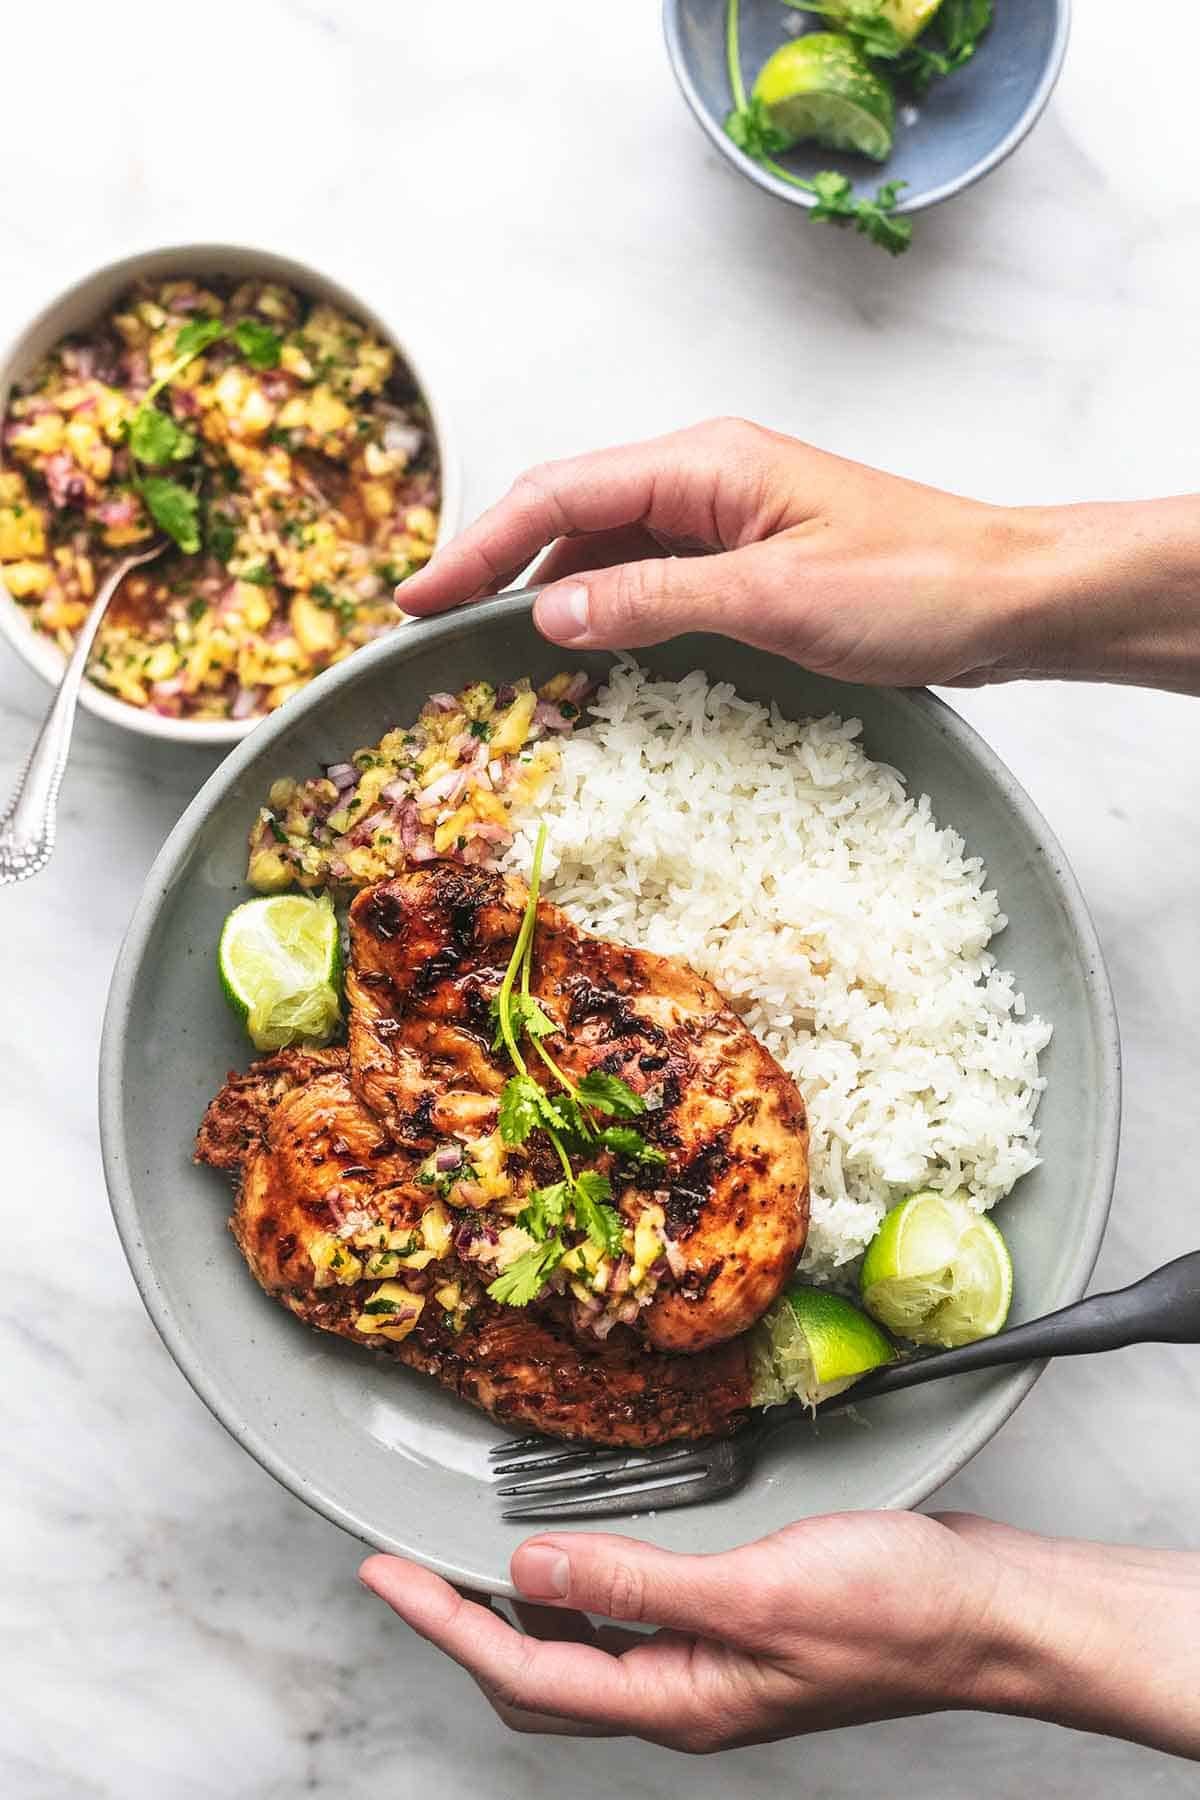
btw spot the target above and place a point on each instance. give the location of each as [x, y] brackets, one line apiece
[623, 1578]
[647, 602]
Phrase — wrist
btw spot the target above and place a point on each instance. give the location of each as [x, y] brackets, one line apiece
[1104, 592]
[1090, 1636]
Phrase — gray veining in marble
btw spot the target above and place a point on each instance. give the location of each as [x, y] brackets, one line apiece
[525, 183]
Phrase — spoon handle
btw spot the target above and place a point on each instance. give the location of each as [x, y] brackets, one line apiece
[1162, 1308]
[28, 822]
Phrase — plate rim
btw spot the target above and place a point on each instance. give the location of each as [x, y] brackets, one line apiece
[1011, 1385]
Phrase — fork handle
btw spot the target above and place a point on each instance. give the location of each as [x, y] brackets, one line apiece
[28, 823]
[1162, 1308]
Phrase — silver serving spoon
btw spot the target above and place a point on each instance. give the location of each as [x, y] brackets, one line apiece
[27, 824]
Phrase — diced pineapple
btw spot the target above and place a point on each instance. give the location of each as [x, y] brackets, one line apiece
[326, 413]
[161, 663]
[451, 829]
[647, 1243]
[449, 1295]
[42, 436]
[437, 1229]
[421, 522]
[513, 727]
[333, 1263]
[268, 869]
[392, 1311]
[22, 533]
[293, 360]
[378, 498]
[253, 604]
[25, 580]
[316, 628]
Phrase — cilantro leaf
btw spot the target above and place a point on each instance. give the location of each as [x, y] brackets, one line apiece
[874, 218]
[524, 1107]
[220, 536]
[524, 1015]
[258, 343]
[623, 1140]
[609, 1094]
[537, 1023]
[197, 335]
[602, 1223]
[545, 1211]
[154, 437]
[961, 24]
[749, 127]
[524, 1279]
[174, 508]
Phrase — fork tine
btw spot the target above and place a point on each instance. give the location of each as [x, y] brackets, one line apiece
[626, 1474]
[563, 1459]
[518, 1446]
[611, 1506]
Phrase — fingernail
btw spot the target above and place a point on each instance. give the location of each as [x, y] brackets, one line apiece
[561, 612]
[541, 1572]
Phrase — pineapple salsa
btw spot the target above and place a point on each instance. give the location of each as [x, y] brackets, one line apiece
[443, 786]
[279, 445]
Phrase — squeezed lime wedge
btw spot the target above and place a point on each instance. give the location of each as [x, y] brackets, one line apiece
[937, 1272]
[279, 960]
[812, 1345]
[818, 89]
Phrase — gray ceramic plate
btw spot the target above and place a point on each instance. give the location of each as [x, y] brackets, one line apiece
[384, 1452]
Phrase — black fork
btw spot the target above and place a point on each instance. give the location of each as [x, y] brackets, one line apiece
[561, 1482]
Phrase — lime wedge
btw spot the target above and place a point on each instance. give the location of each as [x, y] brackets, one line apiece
[280, 962]
[907, 17]
[812, 1345]
[937, 1272]
[818, 89]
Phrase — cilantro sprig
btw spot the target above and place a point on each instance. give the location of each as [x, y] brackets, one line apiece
[157, 440]
[749, 126]
[572, 1117]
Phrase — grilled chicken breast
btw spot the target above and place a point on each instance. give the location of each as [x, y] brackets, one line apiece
[428, 953]
[312, 1160]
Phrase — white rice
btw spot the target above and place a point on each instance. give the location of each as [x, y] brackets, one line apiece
[847, 928]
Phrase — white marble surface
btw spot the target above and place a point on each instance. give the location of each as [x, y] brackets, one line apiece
[523, 182]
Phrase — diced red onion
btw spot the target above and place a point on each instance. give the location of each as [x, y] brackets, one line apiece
[627, 1314]
[550, 715]
[578, 688]
[410, 825]
[401, 439]
[167, 690]
[366, 828]
[343, 775]
[495, 771]
[442, 702]
[620, 1276]
[676, 1260]
[603, 1325]
[245, 703]
[450, 1158]
[445, 790]
[505, 694]
[422, 851]
[491, 832]
[395, 791]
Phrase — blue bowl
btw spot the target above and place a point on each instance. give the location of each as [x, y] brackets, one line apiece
[965, 125]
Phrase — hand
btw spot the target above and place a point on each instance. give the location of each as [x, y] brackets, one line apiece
[833, 1621]
[856, 574]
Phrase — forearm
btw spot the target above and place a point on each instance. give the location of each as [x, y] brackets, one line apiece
[1106, 592]
[1099, 1638]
